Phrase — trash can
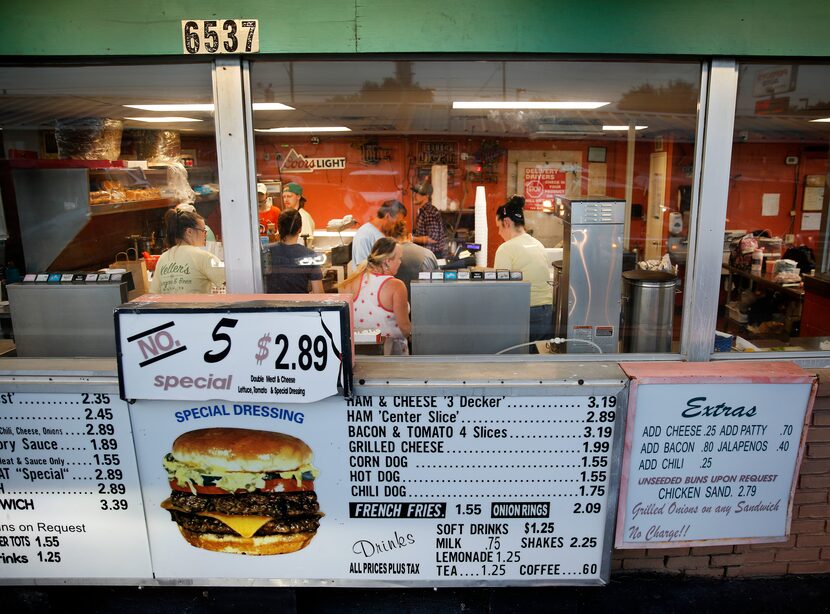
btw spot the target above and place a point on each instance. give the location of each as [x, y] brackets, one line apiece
[648, 311]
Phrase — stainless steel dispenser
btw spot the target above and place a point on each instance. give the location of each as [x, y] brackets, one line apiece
[591, 272]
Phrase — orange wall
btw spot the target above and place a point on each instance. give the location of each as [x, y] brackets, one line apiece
[361, 186]
[760, 169]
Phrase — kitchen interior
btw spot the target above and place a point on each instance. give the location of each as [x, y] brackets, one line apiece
[94, 155]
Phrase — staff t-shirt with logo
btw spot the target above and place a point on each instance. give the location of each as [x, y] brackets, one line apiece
[186, 269]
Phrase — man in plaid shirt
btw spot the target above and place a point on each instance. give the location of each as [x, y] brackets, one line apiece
[429, 228]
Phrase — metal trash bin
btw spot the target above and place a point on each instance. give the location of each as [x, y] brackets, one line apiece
[648, 311]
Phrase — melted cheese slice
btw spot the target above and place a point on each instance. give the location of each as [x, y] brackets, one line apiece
[246, 526]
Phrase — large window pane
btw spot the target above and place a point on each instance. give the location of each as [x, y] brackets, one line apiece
[613, 143]
[92, 159]
[775, 291]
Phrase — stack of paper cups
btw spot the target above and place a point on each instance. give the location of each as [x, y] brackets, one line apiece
[481, 225]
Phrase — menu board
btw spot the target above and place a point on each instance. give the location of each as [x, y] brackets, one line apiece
[70, 504]
[395, 489]
[710, 462]
[291, 353]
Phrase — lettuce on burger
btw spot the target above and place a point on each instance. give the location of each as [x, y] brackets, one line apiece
[242, 491]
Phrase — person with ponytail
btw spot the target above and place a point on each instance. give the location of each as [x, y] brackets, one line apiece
[295, 269]
[380, 300]
[186, 267]
[521, 252]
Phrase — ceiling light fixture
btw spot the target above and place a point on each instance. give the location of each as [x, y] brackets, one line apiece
[609, 128]
[206, 107]
[822, 120]
[487, 104]
[305, 129]
[163, 120]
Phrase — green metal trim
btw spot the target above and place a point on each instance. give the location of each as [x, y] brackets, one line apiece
[153, 28]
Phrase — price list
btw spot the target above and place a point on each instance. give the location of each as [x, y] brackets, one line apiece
[711, 461]
[70, 504]
[481, 488]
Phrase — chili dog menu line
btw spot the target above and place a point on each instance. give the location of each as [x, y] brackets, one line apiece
[711, 461]
[70, 503]
[396, 489]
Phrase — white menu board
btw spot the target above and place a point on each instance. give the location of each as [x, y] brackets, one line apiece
[290, 355]
[710, 462]
[70, 503]
[414, 489]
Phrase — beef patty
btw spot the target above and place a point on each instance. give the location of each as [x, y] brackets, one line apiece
[276, 504]
[204, 524]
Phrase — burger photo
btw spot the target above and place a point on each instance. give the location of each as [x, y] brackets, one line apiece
[242, 491]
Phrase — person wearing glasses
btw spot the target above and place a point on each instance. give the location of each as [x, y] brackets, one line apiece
[521, 252]
[186, 267]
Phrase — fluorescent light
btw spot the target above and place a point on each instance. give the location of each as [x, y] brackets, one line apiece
[487, 104]
[823, 120]
[172, 107]
[163, 120]
[271, 106]
[206, 107]
[609, 128]
[305, 129]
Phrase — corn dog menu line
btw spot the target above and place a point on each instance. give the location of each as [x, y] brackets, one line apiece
[68, 479]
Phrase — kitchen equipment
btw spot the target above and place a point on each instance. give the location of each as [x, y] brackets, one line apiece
[648, 311]
[591, 272]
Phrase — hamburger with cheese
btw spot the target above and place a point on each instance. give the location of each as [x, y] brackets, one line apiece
[242, 491]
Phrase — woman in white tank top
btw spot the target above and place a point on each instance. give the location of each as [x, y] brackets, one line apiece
[380, 300]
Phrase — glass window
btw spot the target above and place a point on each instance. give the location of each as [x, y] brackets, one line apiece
[775, 291]
[93, 158]
[593, 251]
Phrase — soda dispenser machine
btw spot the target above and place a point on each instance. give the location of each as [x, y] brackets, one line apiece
[587, 305]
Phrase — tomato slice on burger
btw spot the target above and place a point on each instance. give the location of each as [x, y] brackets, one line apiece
[275, 485]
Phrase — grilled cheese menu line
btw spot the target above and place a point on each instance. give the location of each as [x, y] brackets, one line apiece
[498, 488]
[67, 471]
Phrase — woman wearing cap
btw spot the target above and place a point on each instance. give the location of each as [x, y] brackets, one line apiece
[186, 267]
[292, 198]
[380, 300]
[295, 269]
[521, 252]
[268, 214]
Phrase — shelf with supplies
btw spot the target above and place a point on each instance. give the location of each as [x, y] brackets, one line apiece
[78, 216]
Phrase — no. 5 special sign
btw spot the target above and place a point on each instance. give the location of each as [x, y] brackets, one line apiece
[268, 351]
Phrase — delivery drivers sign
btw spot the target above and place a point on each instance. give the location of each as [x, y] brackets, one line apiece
[543, 184]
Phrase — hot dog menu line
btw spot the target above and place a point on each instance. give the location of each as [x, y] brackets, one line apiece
[68, 479]
[489, 487]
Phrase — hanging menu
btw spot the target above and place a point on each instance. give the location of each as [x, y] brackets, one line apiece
[710, 462]
[70, 504]
[433, 489]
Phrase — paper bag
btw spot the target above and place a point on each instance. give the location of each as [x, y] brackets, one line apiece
[139, 270]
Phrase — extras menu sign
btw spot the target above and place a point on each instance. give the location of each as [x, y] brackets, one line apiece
[711, 457]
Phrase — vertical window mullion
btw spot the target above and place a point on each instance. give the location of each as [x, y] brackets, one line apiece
[719, 121]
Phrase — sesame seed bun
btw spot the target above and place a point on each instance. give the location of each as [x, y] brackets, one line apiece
[233, 449]
[255, 546]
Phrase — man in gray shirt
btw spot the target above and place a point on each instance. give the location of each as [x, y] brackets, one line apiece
[414, 259]
[379, 226]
